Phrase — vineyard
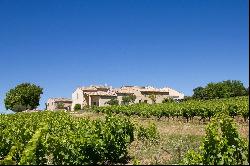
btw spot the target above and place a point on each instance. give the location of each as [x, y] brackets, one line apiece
[189, 109]
[58, 138]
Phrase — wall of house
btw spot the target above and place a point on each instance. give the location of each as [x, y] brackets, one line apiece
[52, 105]
[144, 97]
[95, 100]
[104, 99]
[139, 97]
[159, 97]
[78, 98]
[175, 93]
[67, 105]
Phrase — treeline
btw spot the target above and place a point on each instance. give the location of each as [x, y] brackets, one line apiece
[223, 89]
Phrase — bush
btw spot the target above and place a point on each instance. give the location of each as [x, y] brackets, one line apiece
[77, 107]
[150, 133]
[222, 145]
[112, 102]
[128, 99]
[168, 100]
[60, 105]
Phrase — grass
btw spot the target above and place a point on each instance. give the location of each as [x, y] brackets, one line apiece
[176, 138]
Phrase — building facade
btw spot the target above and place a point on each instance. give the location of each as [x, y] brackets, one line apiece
[92, 96]
[99, 95]
[58, 104]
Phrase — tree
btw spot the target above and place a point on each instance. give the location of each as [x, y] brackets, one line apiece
[128, 99]
[77, 107]
[223, 89]
[153, 98]
[112, 101]
[186, 98]
[199, 93]
[168, 100]
[22, 97]
[60, 105]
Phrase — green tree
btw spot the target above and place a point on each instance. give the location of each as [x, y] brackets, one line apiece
[60, 105]
[168, 100]
[223, 89]
[22, 97]
[153, 98]
[186, 98]
[199, 93]
[77, 107]
[128, 99]
[112, 101]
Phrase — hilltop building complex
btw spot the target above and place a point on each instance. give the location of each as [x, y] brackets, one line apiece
[98, 95]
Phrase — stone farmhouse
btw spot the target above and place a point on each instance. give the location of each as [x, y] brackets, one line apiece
[99, 95]
[52, 103]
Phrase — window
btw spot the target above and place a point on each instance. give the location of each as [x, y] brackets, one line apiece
[145, 101]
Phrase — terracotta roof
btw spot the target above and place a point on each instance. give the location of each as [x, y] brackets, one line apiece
[124, 91]
[88, 88]
[60, 99]
[101, 93]
[152, 89]
[167, 89]
[95, 87]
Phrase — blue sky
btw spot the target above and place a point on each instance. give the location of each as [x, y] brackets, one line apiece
[60, 45]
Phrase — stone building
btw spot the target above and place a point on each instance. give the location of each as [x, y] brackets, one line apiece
[56, 103]
[99, 95]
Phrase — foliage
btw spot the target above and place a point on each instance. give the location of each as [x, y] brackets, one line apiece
[58, 138]
[224, 89]
[128, 99]
[60, 105]
[168, 100]
[222, 145]
[238, 106]
[20, 108]
[112, 101]
[199, 93]
[22, 97]
[153, 98]
[186, 98]
[77, 107]
[150, 133]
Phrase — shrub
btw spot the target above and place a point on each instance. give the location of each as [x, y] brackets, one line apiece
[222, 145]
[168, 100]
[60, 105]
[77, 107]
[149, 133]
[128, 99]
[112, 102]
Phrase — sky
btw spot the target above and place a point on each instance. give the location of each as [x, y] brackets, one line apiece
[64, 44]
